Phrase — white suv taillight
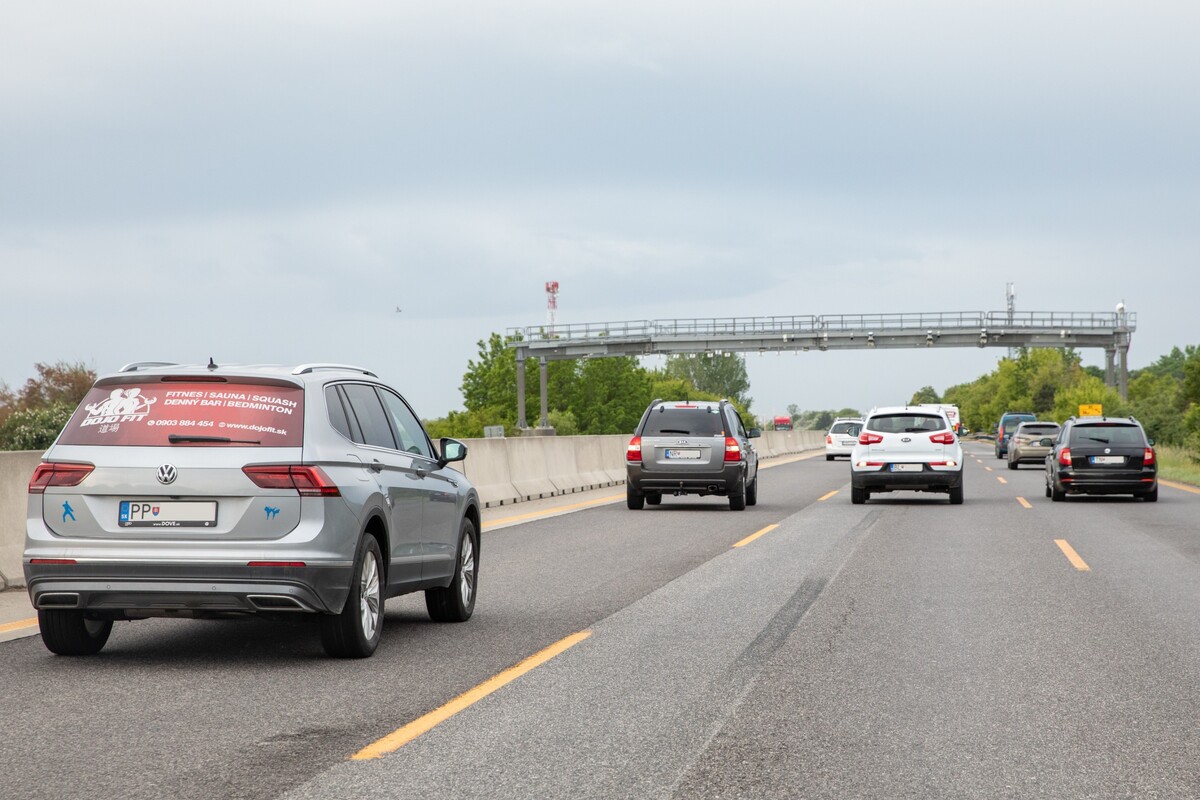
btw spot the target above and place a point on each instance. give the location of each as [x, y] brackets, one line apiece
[869, 438]
[52, 474]
[942, 438]
[308, 481]
[733, 451]
[634, 451]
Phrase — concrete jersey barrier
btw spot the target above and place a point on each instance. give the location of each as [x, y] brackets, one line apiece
[503, 471]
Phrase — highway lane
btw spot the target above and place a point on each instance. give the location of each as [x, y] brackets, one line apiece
[901, 648]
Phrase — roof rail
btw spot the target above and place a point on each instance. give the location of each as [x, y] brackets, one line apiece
[136, 365]
[306, 368]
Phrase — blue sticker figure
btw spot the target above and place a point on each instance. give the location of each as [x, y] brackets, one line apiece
[68, 511]
[271, 512]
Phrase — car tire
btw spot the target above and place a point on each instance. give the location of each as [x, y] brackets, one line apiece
[737, 497]
[654, 498]
[858, 495]
[1048, 494]
[1012, 464]
[456, 602]
[634, 499]
[752, 492]
[1150, 496]
[1056, 494]
[69, 633]
[355, 631]
[956, 495]
[829, 458]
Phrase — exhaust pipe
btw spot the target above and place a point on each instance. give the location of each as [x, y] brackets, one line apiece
[58, 600]
[276, 602]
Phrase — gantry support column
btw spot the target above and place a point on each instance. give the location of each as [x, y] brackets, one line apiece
[542, 377]
[521, 423]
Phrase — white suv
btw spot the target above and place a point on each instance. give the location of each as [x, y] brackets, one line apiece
[906, 448]
[842, 437]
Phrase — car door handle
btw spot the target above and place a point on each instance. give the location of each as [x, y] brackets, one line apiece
[420, 472]
[376, 465]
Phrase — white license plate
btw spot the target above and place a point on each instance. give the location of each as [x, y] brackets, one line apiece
[168, 514]
[693, 454]
[849, 442]
[1108, 460]
[907, 467]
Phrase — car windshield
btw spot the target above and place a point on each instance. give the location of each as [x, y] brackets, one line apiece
[665, 421]
[905, 423]
[847, 428]
[1106, 434]
[188, 414]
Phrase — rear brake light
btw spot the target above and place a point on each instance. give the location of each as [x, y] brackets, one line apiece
[52, 474]
[869, 438]
[634, 451]
[942, 438]
[733, 451]
[1064, 457]
[67, 561]
[308, 481]
[1148, 456]
[828, 439]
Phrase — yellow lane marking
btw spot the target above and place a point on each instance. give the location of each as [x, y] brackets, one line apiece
[397, 739]
[1024, 502]
[754, 536]
[1072, 556]
[989, 469]
[556, 510]
[1002, 480]
[1182, 486]
[827, 496]
[19, 625]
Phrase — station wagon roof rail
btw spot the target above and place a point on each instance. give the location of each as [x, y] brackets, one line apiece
[304, 369]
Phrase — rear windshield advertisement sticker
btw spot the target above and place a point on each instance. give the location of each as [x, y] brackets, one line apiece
[270, 416]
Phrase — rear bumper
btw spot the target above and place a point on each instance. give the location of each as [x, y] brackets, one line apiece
[132, 590]
[926, 481]
[1028, 456]
[708, 482]
[1075, 483]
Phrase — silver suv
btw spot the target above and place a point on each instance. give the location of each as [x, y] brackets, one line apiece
[692, 447]
[205, 491]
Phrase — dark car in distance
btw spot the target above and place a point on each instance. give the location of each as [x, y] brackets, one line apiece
[1102, 455]
[1009, 421]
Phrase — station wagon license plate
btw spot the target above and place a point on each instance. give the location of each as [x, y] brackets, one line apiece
[694, 454]
[907, 467]
[168, 514]
[1108, 460]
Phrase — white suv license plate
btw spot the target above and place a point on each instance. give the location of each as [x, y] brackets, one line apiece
[907, 467]
[169, 514]
[683, 454]
[1108, 460]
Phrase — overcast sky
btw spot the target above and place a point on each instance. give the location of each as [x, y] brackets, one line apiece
[268, 181]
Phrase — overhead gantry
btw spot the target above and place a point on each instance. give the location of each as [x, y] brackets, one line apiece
[1108, 330]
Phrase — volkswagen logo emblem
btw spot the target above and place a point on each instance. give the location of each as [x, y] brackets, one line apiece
[167, 473]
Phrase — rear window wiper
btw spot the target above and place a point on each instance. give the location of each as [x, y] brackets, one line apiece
[1095, 439]
[175, 438]
[675, 430]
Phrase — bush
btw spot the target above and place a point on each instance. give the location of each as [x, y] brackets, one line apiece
[35, 428]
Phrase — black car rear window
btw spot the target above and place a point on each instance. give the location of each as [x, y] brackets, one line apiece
[667, 421]
[905, 423]
[1107, 433]
[196, 414]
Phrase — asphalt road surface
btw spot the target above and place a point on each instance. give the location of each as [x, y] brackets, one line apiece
[1007, 648]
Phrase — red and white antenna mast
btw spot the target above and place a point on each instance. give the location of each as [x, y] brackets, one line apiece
[551, 304]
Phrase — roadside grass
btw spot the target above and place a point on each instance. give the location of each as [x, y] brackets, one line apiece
[1178, 464]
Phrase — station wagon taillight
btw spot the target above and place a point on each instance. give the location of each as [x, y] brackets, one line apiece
[1064, 457]
[733, 451]
[58, 475]
[1148, 456]
[634, 451]
[942, 438]
[308, 481]
[869, 438]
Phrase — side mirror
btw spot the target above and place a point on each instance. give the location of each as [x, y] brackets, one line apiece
[754, 433]
[1150, 442]
[452, 450]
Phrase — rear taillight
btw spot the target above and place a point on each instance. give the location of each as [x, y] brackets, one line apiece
[1064, 457]
[942, 438]
[1148, 456]
[828, 439]
[733, 451]
[58, 561]
[308, 481]
[58, 475]
[869, 438]
[634, 451]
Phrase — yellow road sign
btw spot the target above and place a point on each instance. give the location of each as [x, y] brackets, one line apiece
[1091, 410]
